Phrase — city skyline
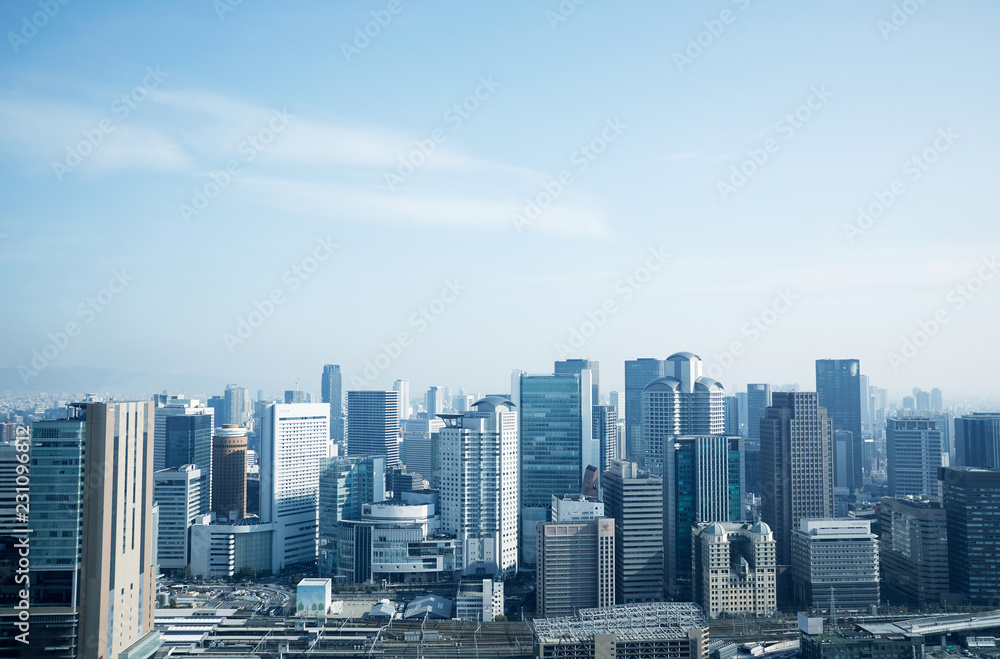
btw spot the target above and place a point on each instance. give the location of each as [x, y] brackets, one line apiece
[302, 178]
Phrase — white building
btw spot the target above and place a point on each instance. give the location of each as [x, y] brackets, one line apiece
[735, 568]
[479, 486]
[841, 554]
[223, 549]
[178, 493]
[293, 444]
[575, 508]
[313, 597]
[403, 388]
[479, 599]
[176, 404]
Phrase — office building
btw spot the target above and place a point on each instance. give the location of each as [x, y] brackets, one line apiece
[838, 383]
[913, 551]
[332, 393]
[478, 486]
[416, 449]
[296, 397]
[293, 446]
[681, 403]
[229, 473]
[479, 599]
[173, 405]
[971, 500]
[556, 436]
[576, 566]
[977, 440]
[92, 575]
[605, 428]
[345, 485]
[373, 425]
[578, 365]
[841, 554]
[634, 499]
[434, 402]
[402, 387]
[189, 442]
[734, 569]
[221, 550]
[937, 401]
[758, 400]
[703, 483]
[177, 491]
[675, 630]
[237, 410]
[638, 374]
[796, 458]
[731, 416]
[913, 448]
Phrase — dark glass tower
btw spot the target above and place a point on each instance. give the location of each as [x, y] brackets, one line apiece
[838, 382]
[332, 391]
[189, 441]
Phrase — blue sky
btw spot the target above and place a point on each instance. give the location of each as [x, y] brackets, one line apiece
[610, 77]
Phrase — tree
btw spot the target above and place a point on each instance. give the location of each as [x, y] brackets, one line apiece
[500, 618]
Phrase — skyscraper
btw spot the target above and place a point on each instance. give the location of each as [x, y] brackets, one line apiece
[638, 373]
[173, 405]
[345, 485]
[972, 506]
[796, 456]
[479, 486]
[758, 400]
[578, 365]
[681, 403]
[293, 445]
[838, 383]
[837, 554]
[332, 393]
[177, 490]
[605, 426]
[373, 425]
[237, 405]
[576, 566]
[702, 483]
[416, 450]
[977, 440]
[913, 550]
[556, 435]
[92, 577]
[434, 402]
[189, 441]
[229, 472]
[913, 447]
[734, 568]
[402, 387]
[634, 499]
[731, 416]
[937, 401]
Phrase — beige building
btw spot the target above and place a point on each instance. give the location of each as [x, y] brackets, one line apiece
[576, 566]
[735, 568]
[118, 578]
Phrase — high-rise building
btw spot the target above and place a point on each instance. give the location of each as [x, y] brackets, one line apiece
[373, 425]
[416, 449]
[683, 402]
[92, 573]
[634, 499]
[173, 405]
[841, 554]
[578, 365]
[702, 483]
[731, 416]
[295, 397]
[177, 490]
[838, 383]
[977, 440]
[345, 485]
[189, 441]
[638, 373]
[556, 436]
[293, 445]
[402, 387]
[913, 447]
[796, 458]
[734, 568]
[937, 401]
[913, 550]
[229, 472]
[237, 406]
[479, 486]
[605, 427]
[434, 402]
[758, 400]
[576, 566]
[332, 393]
[923, 400]
[972, 505]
